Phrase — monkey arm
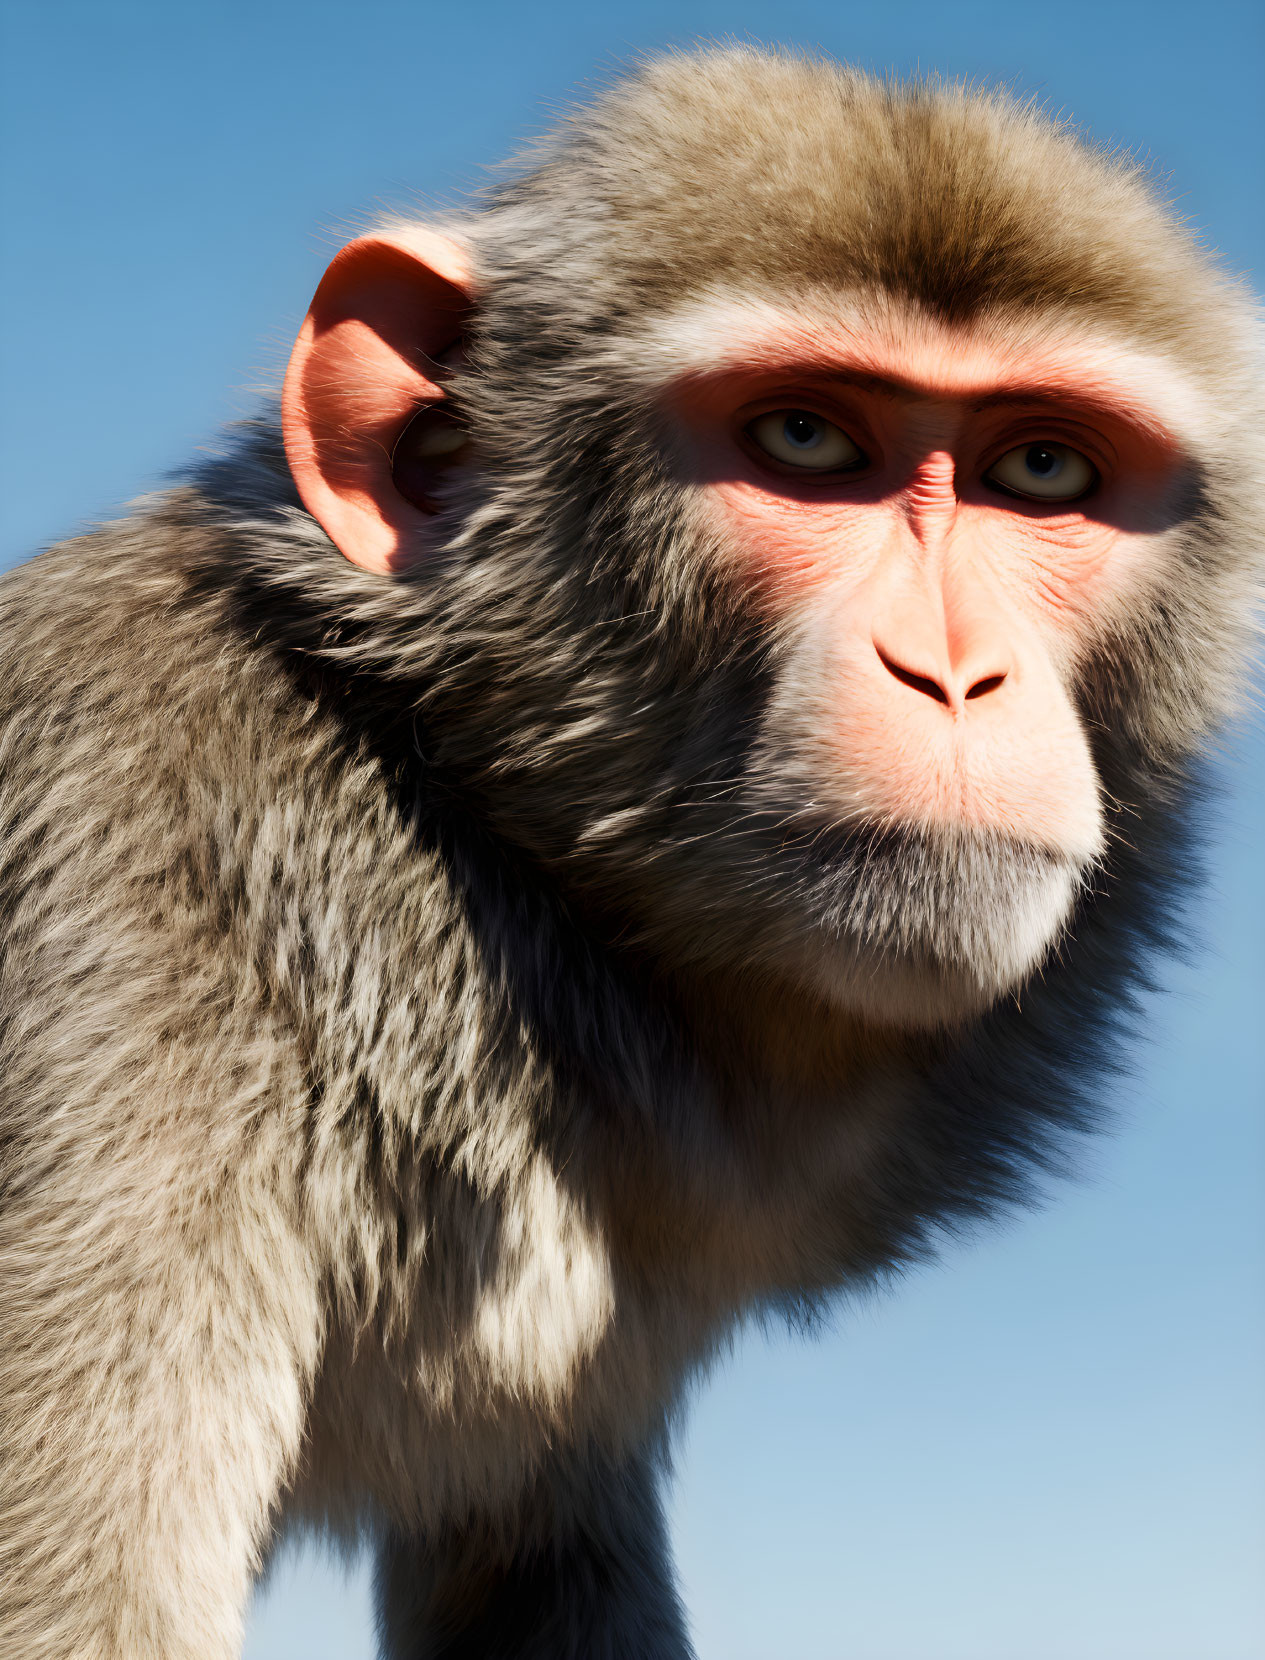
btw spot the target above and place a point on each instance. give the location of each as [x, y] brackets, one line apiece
[581, 1575]
[159, 1320]
[160, 1316]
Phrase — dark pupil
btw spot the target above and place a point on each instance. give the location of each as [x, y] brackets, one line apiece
[801, 429]
[1041, 461]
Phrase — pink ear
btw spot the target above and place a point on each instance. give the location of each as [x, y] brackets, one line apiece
[363, 363]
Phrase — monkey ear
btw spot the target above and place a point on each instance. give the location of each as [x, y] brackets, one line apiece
[364, 363]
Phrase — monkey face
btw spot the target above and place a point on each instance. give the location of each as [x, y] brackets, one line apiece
[935, 528]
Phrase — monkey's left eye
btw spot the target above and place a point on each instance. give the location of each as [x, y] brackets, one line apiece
[798, 438]
[1045, 472]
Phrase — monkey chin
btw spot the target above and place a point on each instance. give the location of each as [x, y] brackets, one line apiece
[924, 928]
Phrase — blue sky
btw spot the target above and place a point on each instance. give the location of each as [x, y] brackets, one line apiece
[1049, 1447]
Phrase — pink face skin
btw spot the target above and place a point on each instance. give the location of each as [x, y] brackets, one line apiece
[938, 617]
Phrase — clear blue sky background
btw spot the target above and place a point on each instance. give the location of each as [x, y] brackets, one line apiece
[1051, 1446]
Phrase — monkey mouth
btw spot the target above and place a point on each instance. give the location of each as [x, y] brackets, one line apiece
[927, 926]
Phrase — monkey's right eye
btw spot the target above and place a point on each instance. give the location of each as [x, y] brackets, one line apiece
[431, 447]
[798, 438]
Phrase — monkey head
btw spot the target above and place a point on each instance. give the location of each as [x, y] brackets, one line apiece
[864, 480]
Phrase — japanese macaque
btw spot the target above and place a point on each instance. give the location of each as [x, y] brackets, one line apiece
[641, 797]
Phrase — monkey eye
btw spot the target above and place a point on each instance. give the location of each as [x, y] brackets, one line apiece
[431, 447]
[798, 438]
[1043, 471]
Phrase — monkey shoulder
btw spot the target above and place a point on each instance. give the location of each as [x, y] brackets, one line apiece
[182, 830]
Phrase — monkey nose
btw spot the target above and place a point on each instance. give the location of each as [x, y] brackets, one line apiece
[950, 685]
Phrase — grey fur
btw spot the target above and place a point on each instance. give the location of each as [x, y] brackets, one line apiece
[413, 1060]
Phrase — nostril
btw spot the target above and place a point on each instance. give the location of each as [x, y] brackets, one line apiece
[917, 682]
[990, 683]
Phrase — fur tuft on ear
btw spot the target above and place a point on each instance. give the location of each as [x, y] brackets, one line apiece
[365, 361]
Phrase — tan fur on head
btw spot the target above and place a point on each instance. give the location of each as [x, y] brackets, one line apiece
[783, 171]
